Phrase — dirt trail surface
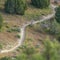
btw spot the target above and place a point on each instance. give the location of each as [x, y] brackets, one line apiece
[23, 28]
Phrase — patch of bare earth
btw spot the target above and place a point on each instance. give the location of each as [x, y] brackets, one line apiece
[8, 40]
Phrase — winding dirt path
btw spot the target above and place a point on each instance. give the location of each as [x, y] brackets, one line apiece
[23, 28]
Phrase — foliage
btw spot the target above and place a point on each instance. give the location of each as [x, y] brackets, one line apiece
[58, 37]
[52, 50]
[0, 46]
[15, 6]
[9, 6]
[18, 36]
[13, 29]
[29, 50]
[1, 21]
[21, 57]
[50, 27]
[57, 15]
[20, 6]
[41, 3]
[37, 57]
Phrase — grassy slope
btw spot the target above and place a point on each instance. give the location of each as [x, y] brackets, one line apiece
[17, 20]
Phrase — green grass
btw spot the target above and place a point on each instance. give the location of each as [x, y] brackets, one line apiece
[35, 14]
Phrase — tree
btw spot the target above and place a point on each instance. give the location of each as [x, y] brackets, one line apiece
[57, 15]
[1, 22]
[10, 6]
[15, 6]
[41, 3]
[20, 6]
[52, 50]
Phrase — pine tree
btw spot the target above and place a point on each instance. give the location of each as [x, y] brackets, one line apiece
[15, 6]
[20, 6]
[41, 3]
[9, 6]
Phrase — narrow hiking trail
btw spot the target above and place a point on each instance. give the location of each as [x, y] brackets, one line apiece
[23, 29]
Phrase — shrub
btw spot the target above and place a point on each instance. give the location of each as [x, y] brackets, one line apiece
[15, 6]
[29, 50]
[18, 36]
[57, 15]
[15, 29]
[41, 3]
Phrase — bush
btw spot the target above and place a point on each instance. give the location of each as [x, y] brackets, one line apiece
[1, 21]
[15, 29]
[18, 36]
[29, 50]
[15, 6]
[57, 15]
[41, 3]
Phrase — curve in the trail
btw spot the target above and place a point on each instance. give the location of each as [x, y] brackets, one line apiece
[22, 32]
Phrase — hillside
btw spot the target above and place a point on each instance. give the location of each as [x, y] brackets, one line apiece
[27, 39]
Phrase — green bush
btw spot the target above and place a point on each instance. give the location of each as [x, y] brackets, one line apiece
[29, 50]
[18, 36]
[15, 29]
[57, 15]
[15, 6]
[41, 3]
